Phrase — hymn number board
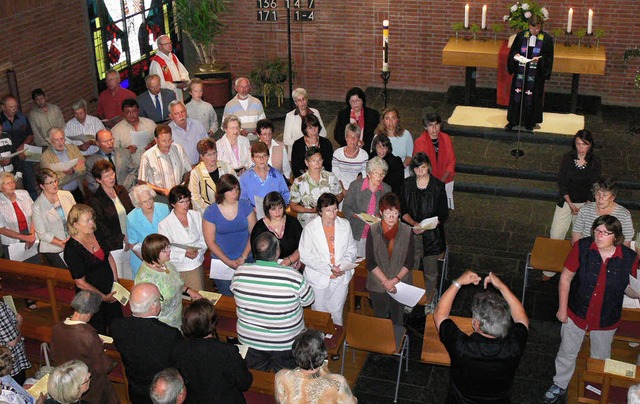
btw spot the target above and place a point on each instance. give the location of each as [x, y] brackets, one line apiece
[303, 10]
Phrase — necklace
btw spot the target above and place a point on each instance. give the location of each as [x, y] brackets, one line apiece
[159, 268]
[580, 166]
[351, 155]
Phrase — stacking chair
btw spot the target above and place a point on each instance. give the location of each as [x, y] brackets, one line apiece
[377, 335]
[358, 285]
[546, 255]
[613, 388]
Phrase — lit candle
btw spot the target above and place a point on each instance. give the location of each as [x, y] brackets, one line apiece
[466, 16]
[590, 22]
[484, 16]
[570, 20]
[385, 45]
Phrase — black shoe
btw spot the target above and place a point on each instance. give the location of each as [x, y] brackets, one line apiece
[508, 126]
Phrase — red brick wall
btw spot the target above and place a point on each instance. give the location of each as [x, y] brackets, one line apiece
[342, 48]
[45, 42]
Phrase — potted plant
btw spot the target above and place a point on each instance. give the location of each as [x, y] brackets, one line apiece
[267, 77]
[200, 21]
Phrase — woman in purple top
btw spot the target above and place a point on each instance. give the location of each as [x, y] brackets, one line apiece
[227, 225]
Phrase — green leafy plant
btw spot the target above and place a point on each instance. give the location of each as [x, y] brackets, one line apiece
[457, 27]
[557, 33]
[200, 20]
[497, 28]
[580, 33]
[630, 54]
[474, 28]
[270, 72]
[599, 33]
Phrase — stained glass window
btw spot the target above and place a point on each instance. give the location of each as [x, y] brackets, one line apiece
[124, 34]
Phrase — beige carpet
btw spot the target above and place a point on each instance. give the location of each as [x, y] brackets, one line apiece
[563, 124]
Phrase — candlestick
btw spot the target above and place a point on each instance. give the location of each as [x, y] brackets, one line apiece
[466, 16]
[385, 45]
[484, 17]
[590, 22]
[570, 20]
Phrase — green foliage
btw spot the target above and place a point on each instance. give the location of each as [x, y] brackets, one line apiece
[580, 32]
[557, 33]
[474, 28]
[497, 28]
[200, 19]
[599, 33]
[271, 71]
[458, 26]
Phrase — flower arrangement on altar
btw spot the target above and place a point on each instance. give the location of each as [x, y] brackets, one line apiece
[520, 13]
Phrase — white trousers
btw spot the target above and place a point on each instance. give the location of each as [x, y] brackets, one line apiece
[331, 299]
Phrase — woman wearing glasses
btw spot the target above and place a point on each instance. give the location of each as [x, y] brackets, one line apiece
[205, 176]
[156, 269]
[591, 291]
[50, 213]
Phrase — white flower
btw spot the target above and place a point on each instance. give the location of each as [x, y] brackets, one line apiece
[525, 6]
[514, 8]
[527, 14]
[545, 13]
[505, 18]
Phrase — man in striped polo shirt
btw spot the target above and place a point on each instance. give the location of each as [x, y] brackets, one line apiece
[269, 299]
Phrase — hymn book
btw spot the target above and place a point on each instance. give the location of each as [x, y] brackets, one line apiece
[368, 219]
[213, 297]
[8, 300]
[40, 387]
[122, 294]
[619, 368]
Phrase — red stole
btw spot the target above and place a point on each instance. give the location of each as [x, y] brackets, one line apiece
[166, 72]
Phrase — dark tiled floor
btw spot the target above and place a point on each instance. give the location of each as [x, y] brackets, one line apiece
[492, 233]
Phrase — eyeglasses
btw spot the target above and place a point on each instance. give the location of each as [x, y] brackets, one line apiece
[87, 380]
[211, 154]
[51, 182]
[602, 232]
[166, 250]
[160, 298]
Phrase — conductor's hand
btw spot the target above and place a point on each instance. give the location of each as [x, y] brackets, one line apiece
[468, 278]
[493, 279]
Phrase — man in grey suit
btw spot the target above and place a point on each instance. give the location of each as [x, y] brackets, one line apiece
[154, 103]
[126, 169]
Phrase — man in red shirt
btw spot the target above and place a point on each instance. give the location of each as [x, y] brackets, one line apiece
[110, 100]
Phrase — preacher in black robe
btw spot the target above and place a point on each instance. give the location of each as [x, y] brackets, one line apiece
[528, 79]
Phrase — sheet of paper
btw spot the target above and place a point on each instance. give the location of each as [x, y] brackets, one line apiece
[258, 200]
[243, 350]
[64, 166]
[368, 219]
[120, 257]
[40, 387]
[620, 368]
[106, 339]
[34, 153]
[140, 139]
[122, 294]
[220, 270]
[19, 252]
[429, 223]
[406, 294]
[8, 300]
[212, 296]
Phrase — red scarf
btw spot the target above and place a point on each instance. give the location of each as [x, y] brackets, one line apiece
[390, 234]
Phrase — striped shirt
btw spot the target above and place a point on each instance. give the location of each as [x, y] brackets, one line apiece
[269, 300]
[587, 215]
[249, 115]
[347, 169]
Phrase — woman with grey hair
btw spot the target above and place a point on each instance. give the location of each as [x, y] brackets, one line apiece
[75, 339]
[293, 120]
[68, 382]
[142, 221]
[349, 162]
[363, 197]
[311, 382]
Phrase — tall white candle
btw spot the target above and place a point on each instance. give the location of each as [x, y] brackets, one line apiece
[570, 20]
[590, 22]
[466, 16]
[484, 17]
[385, 45]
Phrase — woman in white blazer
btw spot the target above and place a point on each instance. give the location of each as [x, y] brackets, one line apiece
[50, 212]
[240, 159]
[326, 248]
[183, 228]
[201, 184]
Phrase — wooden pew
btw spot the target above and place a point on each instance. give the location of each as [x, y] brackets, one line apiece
[433, 351]
[227, 317]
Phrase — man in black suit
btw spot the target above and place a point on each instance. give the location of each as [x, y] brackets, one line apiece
[145, 343]
[154, 103]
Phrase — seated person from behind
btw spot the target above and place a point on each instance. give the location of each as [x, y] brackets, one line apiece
[168, 387]
[68, 383]
[311, 382]
[484, 363]
[261, 179]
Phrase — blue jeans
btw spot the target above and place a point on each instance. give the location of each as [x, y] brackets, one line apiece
[224, 286]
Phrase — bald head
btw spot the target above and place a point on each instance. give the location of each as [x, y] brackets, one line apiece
[104, 138]
[145, 300]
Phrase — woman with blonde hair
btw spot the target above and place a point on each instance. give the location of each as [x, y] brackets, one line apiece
[68, 382]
